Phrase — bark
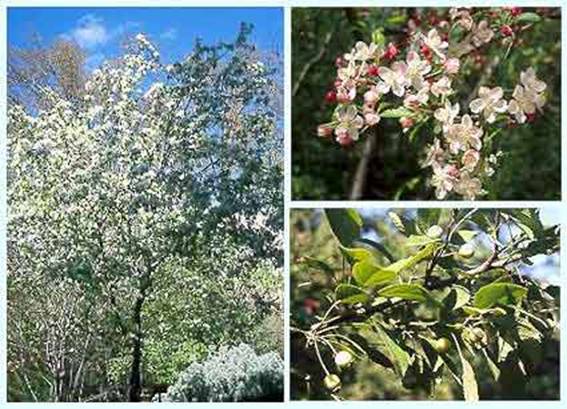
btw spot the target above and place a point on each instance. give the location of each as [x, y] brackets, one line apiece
[135, 383]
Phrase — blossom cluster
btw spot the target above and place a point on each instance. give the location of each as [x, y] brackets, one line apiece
[417, 83]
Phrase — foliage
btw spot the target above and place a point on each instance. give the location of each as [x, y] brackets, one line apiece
[468, 61]
[152, 205]
[231, 375]
[436, 303]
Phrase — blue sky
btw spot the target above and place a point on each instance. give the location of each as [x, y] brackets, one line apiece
[101, 31]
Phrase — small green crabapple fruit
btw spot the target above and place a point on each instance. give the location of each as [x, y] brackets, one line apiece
[343, 359]
[434, 232]
[441, 345]
[466, 250]
[332, 382]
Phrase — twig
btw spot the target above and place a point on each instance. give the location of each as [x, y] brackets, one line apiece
[361, 170]
[355, 316]
[486, 74]
[312, 62]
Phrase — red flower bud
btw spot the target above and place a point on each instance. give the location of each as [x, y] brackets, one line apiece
[506, 30]
[310, 305]
[373, 70]
[391, 52]
[531, 117]
[515, 11]
[331, 97]
[425, 51]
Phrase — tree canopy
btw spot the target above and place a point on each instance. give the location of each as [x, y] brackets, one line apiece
[145, 221]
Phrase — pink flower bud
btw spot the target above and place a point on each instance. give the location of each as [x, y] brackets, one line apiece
[406, 122]
[371, 118]
[343, 98]
[452, 171]
[470, 159]
[391, 51]
[339, 62]
[324, 131]
[452, 65]
[371, 96]
[344, 138]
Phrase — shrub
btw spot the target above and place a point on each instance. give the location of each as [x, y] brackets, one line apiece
[230, 375]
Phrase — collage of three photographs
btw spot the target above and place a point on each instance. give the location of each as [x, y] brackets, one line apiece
[171, 237]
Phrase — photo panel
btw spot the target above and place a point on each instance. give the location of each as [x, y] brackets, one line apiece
[145, 212]
[426, 103]
[425, 304]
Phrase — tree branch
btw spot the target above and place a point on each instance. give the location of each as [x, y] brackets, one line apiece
[359, 180]
[318, 57]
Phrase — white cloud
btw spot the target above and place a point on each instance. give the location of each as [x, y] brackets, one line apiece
[169, 34]
[90, 32]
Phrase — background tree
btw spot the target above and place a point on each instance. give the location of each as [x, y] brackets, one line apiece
[34, 70]
[433, 303]
[163, 186]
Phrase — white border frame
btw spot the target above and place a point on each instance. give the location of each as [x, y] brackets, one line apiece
[286, 4]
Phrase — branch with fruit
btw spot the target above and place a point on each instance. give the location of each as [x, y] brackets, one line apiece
[458, 300]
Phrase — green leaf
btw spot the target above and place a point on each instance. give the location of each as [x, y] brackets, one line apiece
[470, 386]
[377, 246]
[527, 220]
[499, 294]
[528, 18]
[408, 292]
[351, 294]
[397, 19]
[370, 274]
[345, 224]
[415, 131]
[380, 277]
[396, 113]
[458, 297]
[411, 261]
[527, 331]
[356, 254]
[382, 341]
[471, 311]
[467, 235]
[415, 240]
[317, 264]
[378, 37]
[491, 365]
[362, 270]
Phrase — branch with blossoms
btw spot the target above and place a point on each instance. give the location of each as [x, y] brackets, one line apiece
[416, 83]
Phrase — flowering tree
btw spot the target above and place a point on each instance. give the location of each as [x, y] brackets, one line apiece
[159, 167]
[442, 299]
[422, 78]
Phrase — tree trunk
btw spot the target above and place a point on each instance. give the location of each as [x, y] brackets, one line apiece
[135, 384]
